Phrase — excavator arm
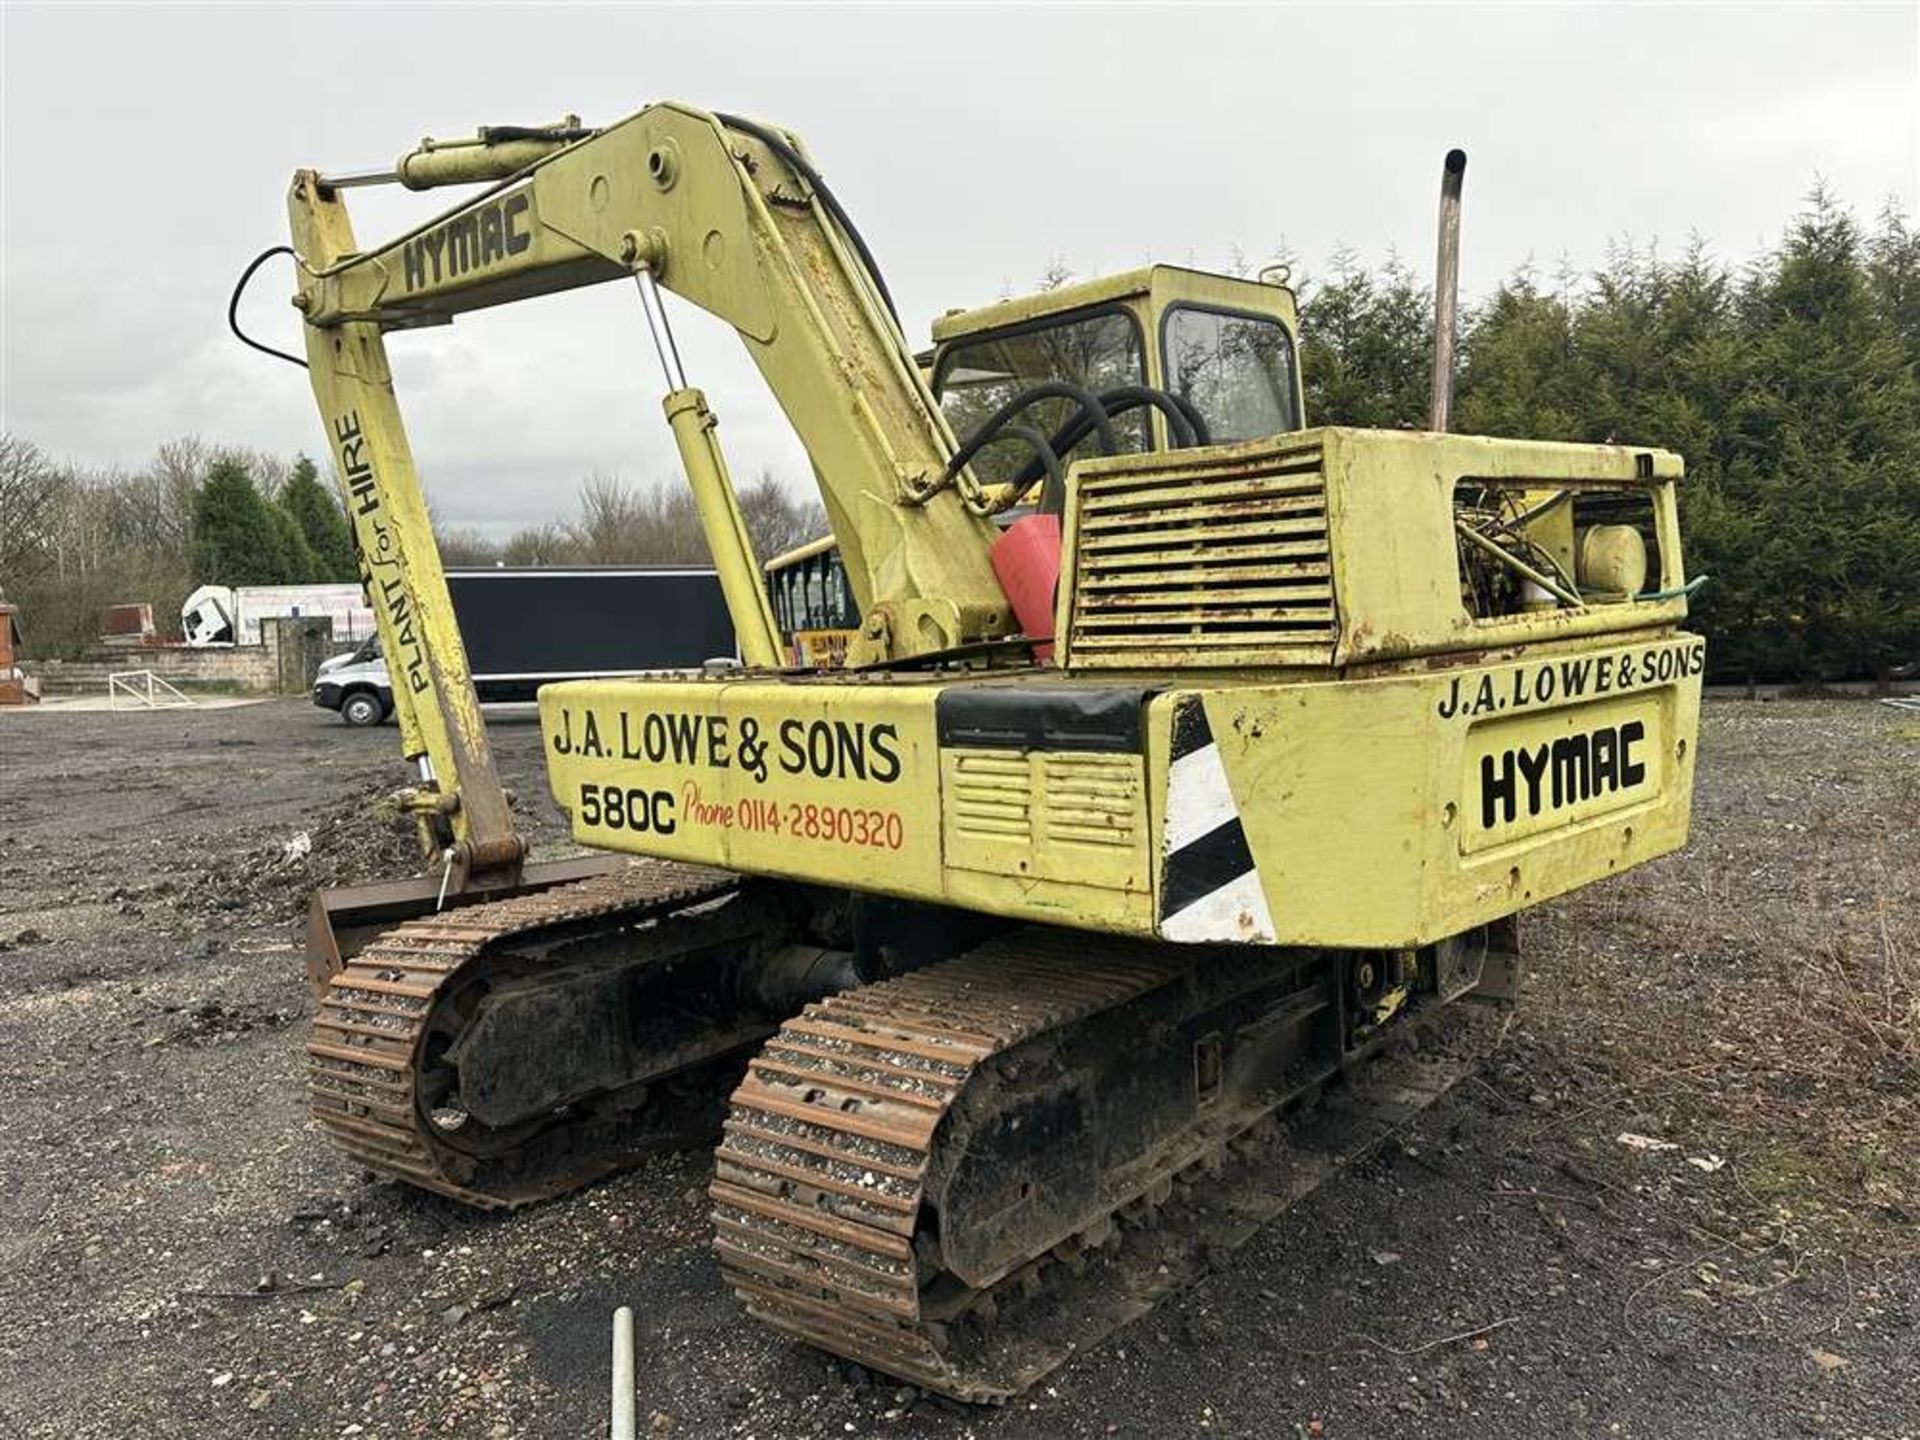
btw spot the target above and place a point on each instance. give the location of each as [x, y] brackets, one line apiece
[728, 215]
[731, 216]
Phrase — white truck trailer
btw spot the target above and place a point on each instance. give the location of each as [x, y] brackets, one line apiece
[231, 615]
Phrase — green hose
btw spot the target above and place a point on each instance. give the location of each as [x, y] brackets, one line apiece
[1685, 590]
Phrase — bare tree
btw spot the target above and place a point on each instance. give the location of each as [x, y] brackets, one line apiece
[616, 523]
[466, 546]
[621, 525]
[74, 540]
[32, 494]
[1057, 274]
[270, 472]
[538, 545]
[776, 521]
[176, 471]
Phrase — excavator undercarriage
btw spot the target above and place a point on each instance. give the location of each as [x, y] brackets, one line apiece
[964, 1175]
[483, 1052]
[959, 1175]
[1156, 851]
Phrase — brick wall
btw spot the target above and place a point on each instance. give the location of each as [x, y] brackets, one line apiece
[283, 664]
[237, 667]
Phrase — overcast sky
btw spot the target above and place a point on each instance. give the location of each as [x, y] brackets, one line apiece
[147, 151]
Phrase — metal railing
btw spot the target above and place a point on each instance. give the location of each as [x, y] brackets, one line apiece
[142, 689]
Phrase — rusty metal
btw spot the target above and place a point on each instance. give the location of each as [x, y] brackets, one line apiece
[834, 1190]
[366, 1060]
[16, 687]
[343, 921]
[1228, 559]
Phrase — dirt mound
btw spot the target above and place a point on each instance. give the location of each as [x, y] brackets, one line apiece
[361, 837]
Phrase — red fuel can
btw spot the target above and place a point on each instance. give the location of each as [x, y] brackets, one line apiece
[1026, 558]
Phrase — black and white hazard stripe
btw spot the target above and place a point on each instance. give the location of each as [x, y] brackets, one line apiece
[1210, 887]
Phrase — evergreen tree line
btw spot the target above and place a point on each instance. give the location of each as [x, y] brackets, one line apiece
[1790, 384]
[243, 536]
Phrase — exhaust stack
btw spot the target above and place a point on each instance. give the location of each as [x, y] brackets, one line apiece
[1446, 289]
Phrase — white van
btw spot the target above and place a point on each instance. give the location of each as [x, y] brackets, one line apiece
[356, 685]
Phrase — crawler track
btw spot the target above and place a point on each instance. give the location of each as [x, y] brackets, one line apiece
[366, 1061]
[841, 1150]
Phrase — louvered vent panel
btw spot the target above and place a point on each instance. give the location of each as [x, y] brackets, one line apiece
[1227, 565]
[991, 796]
[1091, 799]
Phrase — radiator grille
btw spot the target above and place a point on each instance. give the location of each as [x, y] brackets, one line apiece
[1225, 564]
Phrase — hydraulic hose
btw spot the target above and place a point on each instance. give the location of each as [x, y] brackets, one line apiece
[1187, 426]
[233, 305]
[796, 162]
[1185, 423]
[1202, 432]
[988, 429]
[1053, 496]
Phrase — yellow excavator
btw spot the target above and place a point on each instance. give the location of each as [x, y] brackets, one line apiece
[1155, 848]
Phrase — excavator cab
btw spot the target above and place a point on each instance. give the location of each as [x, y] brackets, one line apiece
[1225, 346]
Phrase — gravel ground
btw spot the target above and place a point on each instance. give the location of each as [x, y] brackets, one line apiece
[181, 1254]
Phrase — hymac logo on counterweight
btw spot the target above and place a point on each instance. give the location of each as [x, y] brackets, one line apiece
[1525, 779]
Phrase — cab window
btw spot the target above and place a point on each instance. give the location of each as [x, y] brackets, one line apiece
[1096, 351]
[1237, 370]
[812, 594]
